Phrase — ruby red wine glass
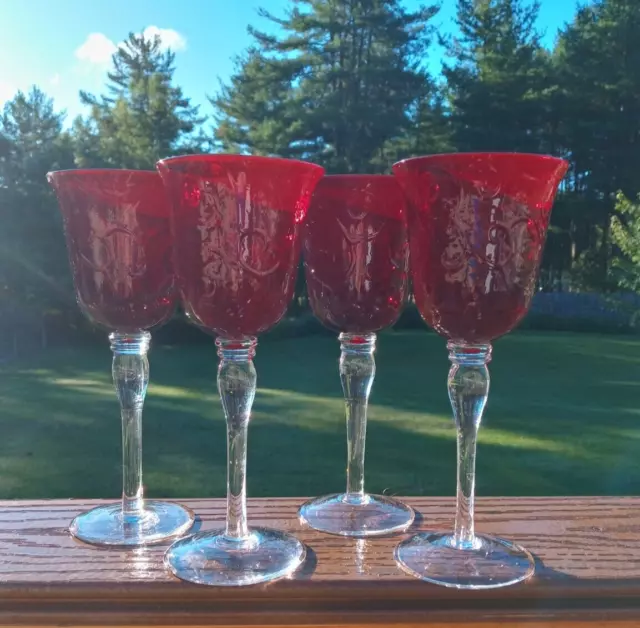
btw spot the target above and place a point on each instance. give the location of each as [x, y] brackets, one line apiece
[118, 236]
[356, 264]
[236, 224]
[477, 227]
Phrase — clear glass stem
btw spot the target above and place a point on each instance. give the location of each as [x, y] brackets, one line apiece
[237, 388]
[130, 370]
[357, 370]
[468, 385]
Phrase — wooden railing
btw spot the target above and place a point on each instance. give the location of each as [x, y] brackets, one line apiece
[588, 574]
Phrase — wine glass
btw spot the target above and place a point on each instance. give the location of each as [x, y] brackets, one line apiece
[118, 236]
[236, 224]
[356, 264]
[477, 226]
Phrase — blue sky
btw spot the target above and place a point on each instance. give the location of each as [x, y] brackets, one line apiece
[65, 46]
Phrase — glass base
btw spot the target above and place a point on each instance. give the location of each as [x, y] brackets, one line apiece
[105, 525]
[488, 564]
[373, 515]
[214, 559]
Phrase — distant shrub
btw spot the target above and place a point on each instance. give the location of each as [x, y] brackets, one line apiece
[617, 313]
[584, 311]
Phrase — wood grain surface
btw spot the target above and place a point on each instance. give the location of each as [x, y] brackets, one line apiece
[588, 572]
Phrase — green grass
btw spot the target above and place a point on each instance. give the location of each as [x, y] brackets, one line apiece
[562, 419]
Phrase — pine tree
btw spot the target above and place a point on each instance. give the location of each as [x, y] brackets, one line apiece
[256, 112]
[34, 273]
[142, 117]
[497, 76]
[428, 131]
[598, 64]
[335, 88]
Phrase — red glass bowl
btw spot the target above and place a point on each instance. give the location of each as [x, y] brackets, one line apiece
[119, 243]
[236, 223]
[477, 227]
[356, 252]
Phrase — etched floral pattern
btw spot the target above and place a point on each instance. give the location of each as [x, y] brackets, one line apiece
[231, 241]
[356, 253]
[236, 237]
[478, 225]
[118, 236]
[491, 256]
[114, 248]
[359, 233]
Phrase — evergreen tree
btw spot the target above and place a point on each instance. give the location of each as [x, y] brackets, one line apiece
[335, 88]
[498, 76]
[428, 131]
[256, 112]
[598, 62]
[143, 116]
[34, 274]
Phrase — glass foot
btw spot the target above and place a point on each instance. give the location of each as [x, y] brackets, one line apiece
[106, 525]
[214, 559]
[490, 563]
[373, 515]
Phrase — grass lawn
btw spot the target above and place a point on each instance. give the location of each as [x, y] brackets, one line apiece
[562, 419]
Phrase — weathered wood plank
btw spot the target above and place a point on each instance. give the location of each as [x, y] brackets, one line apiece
[588, 551]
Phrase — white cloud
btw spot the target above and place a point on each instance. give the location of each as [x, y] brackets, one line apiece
[97, 48]
[7, 92]
[168, 37]
[55, 80]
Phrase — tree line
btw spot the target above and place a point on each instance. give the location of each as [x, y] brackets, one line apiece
[345, 84]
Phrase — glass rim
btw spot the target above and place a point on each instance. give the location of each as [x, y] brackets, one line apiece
[214, 157]
[356, 176]
[90, 171]
[484, 154]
